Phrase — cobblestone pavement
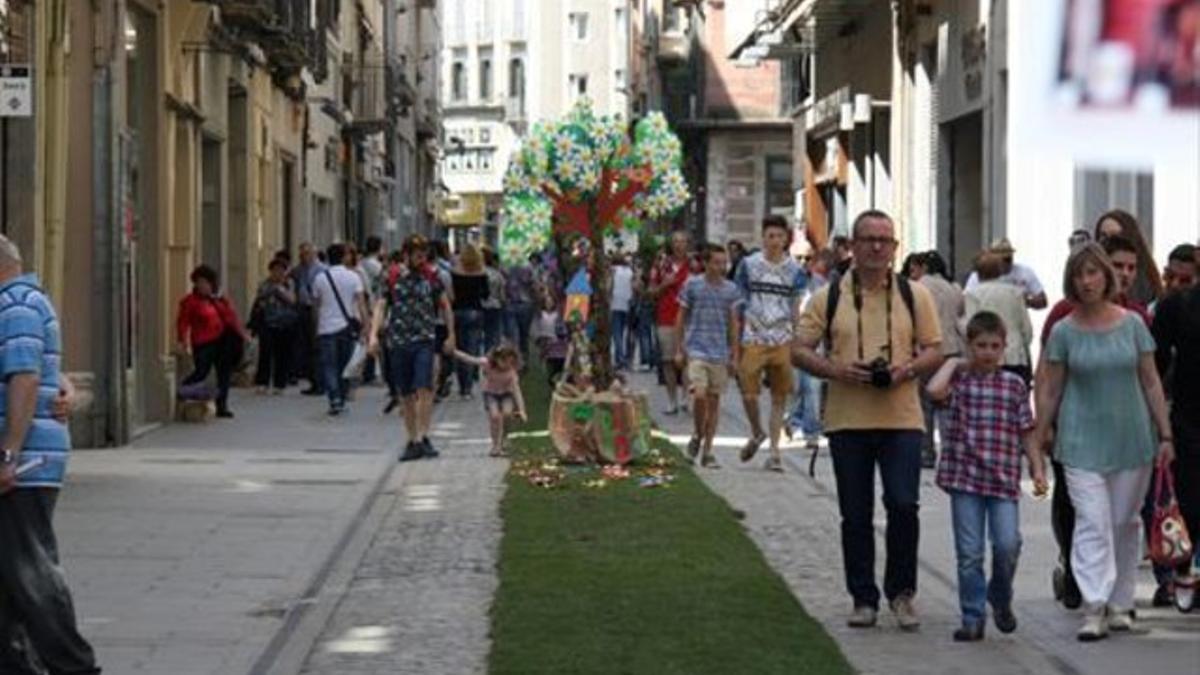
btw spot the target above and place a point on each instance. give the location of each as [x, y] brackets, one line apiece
[419, 600]
[794, 520]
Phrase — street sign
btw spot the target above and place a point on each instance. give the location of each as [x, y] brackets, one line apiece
[16, 91]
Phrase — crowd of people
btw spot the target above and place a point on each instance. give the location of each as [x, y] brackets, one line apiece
[900, 369]
[908, 369]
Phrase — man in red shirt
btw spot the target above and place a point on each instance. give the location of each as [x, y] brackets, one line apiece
[666, 280]
[1124, 258]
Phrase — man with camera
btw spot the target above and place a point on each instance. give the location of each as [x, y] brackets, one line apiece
[882, 335]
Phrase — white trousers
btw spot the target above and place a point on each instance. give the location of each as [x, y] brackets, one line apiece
[1107, 542]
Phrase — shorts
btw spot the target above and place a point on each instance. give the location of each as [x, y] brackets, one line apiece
[667, 344]
[412, 367]
[776, 360]
[707, 377]
[499, 404]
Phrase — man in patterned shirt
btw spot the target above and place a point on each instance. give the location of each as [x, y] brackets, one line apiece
[411, 306]
[706, 331]
[980, 468]
[772, 284]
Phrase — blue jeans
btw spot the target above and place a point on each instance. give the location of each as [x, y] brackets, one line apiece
[518, 317]
[468, 328]
[898, 455]
[335, 351]
[620, 324]
[806, 413]
[1002, 518]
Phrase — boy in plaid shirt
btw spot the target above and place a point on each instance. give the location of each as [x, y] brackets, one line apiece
[988, 417]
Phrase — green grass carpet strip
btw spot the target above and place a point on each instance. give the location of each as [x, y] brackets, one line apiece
[606, 576]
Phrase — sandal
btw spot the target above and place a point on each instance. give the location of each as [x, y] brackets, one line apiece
[751, 447]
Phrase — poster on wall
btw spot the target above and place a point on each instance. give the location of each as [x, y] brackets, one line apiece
[1130, 54]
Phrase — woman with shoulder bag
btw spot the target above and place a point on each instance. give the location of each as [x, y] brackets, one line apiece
[273, 320]
[208, 328]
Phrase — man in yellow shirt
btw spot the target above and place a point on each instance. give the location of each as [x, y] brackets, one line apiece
[883, 336]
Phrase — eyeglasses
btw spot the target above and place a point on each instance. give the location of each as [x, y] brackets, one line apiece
[871, 241]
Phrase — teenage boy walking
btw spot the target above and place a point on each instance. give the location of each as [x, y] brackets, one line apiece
[706, 332]
[772, 284]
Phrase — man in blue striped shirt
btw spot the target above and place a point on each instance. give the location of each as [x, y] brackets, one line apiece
[34, 598]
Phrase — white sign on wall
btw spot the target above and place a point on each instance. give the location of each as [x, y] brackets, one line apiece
[16, 91]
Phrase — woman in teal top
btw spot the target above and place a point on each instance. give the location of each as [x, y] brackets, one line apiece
[1103, 393]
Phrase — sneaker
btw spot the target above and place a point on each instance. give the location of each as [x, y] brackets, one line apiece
[225, 414]
[1005, 620]
[672, 411]
[751, 447]
[1120, 621]
[862, 617]
[906, 614]
[393, 401]
[1185, 593]
[969, 633]
[428, 450]
[709, 462]
[412, 451]
[1094, 627]
[334, 411]
[277, 392]
[1164, 596]
[465, 396]
[774, 464]
[693, 447]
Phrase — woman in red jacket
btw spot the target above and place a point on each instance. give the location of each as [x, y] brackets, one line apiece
[216, 334]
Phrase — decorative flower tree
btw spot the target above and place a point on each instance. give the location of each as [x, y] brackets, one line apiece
[585, 175]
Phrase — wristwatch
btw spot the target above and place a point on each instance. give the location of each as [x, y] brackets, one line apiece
[8, 457]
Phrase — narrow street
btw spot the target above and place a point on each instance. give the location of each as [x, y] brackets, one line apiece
[287, 542]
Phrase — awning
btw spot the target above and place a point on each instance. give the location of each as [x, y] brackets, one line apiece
[768, 38]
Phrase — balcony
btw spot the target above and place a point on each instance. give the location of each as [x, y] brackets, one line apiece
[279, 28]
